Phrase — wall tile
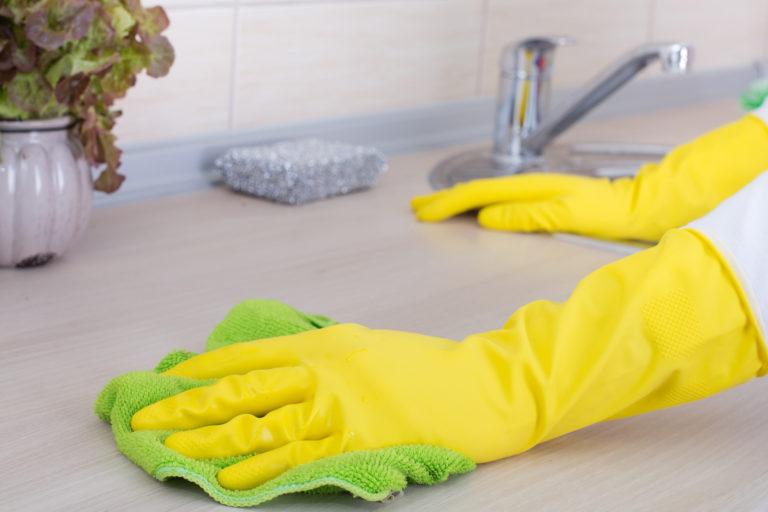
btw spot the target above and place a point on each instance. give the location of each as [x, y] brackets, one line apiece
[724, 33]
[194, 97]
[603, 29]
[302, 60]
[299, 62]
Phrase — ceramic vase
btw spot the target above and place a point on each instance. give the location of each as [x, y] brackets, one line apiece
[45, 191]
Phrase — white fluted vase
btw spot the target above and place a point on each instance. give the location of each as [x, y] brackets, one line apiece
[45, 191]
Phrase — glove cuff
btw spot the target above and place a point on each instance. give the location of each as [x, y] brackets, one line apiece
[738, 230]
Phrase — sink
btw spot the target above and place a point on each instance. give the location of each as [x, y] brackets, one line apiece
[605, 160]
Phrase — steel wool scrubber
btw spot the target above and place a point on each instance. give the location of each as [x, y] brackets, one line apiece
[300, 171]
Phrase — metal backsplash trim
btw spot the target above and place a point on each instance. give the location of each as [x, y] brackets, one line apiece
[176, 166]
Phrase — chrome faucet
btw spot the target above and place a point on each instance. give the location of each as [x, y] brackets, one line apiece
[523, 128]
[524, 92]
[524, 89]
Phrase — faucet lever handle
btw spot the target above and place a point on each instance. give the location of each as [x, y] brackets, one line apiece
[546, 42]
[517, 56]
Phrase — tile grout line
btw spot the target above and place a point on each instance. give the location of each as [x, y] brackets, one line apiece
[234, 66]
[651, 21]
[764, 50]
[482, 48]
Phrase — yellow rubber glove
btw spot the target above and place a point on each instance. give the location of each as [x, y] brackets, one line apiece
[688, 183]
[662, 327]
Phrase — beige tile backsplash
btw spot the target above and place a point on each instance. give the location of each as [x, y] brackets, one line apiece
[725, 33]
[194, 98]
[252, 63]
[309, 61]
[602, 30]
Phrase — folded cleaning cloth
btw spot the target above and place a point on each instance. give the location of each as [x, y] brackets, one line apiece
[373, 475]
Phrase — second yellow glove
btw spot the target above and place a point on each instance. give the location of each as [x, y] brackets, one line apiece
[688, 183]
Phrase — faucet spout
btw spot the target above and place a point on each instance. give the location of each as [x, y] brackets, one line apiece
[673, 57]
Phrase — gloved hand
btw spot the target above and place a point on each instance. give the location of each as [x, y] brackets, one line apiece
[373, 475]
[690, 181]
[668, 325]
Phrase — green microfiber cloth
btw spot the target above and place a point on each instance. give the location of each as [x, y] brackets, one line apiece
[373, 475]
[755, 94]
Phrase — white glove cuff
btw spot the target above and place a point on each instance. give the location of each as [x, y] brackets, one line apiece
[738, 227]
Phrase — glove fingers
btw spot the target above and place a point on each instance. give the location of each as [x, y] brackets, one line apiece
[263, 467]
[478, 193]
[246, 433]
[546, 216]
[257, 392]
[418, 202]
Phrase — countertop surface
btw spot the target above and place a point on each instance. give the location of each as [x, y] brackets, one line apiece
[155, 276]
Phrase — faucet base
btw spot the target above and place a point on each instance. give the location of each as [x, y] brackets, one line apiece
[475, 164]
[603, 160]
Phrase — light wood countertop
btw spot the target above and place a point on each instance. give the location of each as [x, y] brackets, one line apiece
[156, 276]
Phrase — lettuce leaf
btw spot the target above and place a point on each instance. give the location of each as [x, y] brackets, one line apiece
[76, 58]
